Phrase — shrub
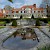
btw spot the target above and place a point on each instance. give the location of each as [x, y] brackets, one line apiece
[32, 17]
[8, 20]
[14, 23]
[21, 17]
[37, 23]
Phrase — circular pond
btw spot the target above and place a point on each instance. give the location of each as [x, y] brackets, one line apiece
[17, 42]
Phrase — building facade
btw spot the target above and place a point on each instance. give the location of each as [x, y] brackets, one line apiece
[26, 11]
[1, 13]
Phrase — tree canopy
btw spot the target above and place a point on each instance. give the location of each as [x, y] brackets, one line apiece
[10, 1]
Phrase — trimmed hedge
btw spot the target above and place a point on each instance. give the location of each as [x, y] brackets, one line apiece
[37, 23]
[14, 23]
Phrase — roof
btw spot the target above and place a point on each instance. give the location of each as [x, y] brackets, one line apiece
[25, 6]
[30, 6]
[17, 9]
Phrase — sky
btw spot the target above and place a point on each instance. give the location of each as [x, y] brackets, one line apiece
[19, 3]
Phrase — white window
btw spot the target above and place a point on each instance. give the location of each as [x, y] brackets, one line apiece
[22, 11]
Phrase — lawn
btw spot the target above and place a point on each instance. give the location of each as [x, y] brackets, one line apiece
[2, 27]
[2, 22]
[48, 22]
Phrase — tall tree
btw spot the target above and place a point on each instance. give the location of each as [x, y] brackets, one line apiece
[10, 1]
[21, 17]
[44, 3]
[32, 16]
[7, 7]
[14, 23]
[37, 23]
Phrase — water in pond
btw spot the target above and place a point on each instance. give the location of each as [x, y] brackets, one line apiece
[17, 42]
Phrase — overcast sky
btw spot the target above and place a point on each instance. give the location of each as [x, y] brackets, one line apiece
[19, 3]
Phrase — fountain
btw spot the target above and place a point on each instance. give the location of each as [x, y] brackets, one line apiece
[22, 38]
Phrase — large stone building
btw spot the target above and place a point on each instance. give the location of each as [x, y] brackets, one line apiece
[26, 11]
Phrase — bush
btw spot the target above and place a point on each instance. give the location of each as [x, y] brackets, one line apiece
[32, 17]
[8, 20]
[48, 22]
[14, 23]
[21, 17]
[37, 23]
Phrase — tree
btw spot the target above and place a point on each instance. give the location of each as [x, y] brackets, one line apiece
[7, 7]
[10, 1]
[21, 17]
[14, 23]
[8, 20]
[45, 4]
[37, 23]
[32, 16]
[45, 20]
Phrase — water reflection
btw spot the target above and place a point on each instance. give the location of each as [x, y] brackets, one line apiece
[23, 38]
[19, 43]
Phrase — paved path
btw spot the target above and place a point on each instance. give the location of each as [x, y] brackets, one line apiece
[42, 37]
[45, 30]
[6, 32]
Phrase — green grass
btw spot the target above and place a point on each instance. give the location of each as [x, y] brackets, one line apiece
[48, 22]
[2, 27]
[47, 47]
[2, 22]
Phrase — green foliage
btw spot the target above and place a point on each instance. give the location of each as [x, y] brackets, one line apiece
[37, 23]
[7, 7]
[2, 22]
[8, 20]
[45, 48]
[21, 17]
[2, 27]
[14, 23]
[48, 22]
[32, 17]
[10, 1]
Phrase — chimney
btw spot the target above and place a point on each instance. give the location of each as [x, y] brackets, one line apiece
[34, 5]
